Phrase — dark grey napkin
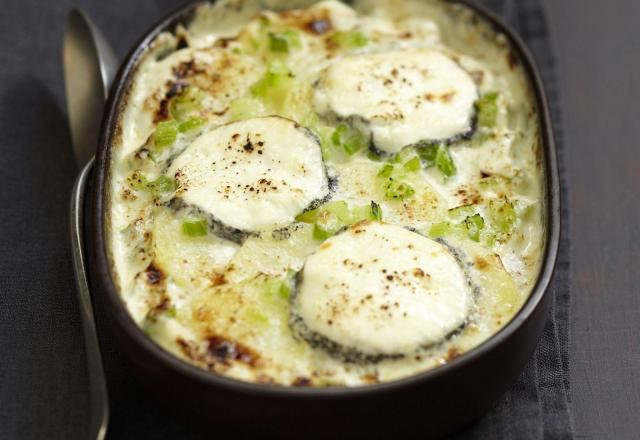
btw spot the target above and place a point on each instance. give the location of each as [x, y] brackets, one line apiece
[43, 385]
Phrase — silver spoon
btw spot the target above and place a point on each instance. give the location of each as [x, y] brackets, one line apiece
[89, 68]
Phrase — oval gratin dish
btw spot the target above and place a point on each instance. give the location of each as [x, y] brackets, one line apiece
[432, 403]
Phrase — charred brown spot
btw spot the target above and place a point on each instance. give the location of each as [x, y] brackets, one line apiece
[174, 88]
[218, 279]
[223, 42]
[301, 382]
[418, 273]
[154, 274]
[485, 174]
[182, 42]
[224, 350]
[452, 354]
[481, 263]
[186, 69]
[248, 147]
[370, 378]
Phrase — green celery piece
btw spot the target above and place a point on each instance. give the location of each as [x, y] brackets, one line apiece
[339, 134]
[276, 288]
[427, 152]
[310, 216]
[350, 39]
[349, 138]
[255, 316]
[354, 143]
[323, 132]
[376, 211]
[162, 184]
[374, 156]
[474, 225]
[195, 228]
[326, 226]
[171, 312]
[188, 102]
[190, 124]
[438, 230]
[244, 108]
[386, 170]
[444, 162]
[413, 164]
[166, 133]
[502, 216]
[278, 43]
[281, 42]
[338, 208]
[460, 212]
[277, 76]
[487, 110]
[396, 189]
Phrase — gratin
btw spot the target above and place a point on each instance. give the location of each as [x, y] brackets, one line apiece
[332, 196]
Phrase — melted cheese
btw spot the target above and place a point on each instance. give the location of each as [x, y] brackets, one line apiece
[380, 289]
[404, 96]
[252, 175]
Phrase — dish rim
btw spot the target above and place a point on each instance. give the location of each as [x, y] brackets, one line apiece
[120, 312]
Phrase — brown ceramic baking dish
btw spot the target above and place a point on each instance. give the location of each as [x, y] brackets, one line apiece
[430, 404]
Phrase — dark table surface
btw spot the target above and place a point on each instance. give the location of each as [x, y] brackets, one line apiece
[598, 52]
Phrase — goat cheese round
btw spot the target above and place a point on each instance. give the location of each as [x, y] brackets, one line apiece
[252, 175]
[380, 289]
[403, 96]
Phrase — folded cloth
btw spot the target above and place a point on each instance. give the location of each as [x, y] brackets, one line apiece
[43, 384]
[536, 407]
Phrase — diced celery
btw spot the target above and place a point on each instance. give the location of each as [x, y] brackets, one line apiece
[502, 215]
[427, 152]
[276, 288]
[412, 165]
[487, 110]
[190, 124]
[324, 132]
[350, 139]
[282, 42]
[438, 230]
[162, 184]
[256, 317]
[374, 156]
[188, 102]
[195, 227]
[171, 312]
[327, 225]
[339, 208]
[277, 76]
[386, 170]
[396, 189]
[244, 108]
[444, 162]
[274, 87]
[376, 211]
[166, 133]
[461, 212]
[350, 39]
[339, 134]
[310, 216]
[474, 225]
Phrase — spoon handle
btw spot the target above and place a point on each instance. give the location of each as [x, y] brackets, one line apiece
[98, 386]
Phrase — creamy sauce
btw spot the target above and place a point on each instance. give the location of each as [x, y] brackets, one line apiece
[214, 274]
